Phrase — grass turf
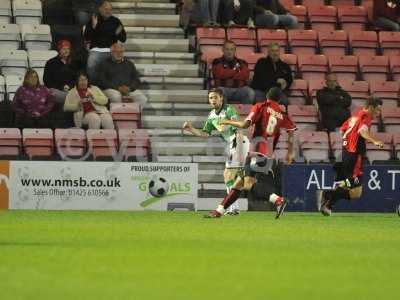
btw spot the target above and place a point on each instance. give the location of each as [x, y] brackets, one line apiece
[152, 255]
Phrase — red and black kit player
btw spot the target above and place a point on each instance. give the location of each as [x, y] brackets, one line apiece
[267, 118]
[355, 132]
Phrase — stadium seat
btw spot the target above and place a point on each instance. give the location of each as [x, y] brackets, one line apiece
[363, 42]
[10, 142]
[388, 91]
[345, 67]
[312, 66]
[36, 37]
[374, 68]
[303, 41]
[134, 144]
[389, 42]
[244, 38]
[13, 82]
[375, 153]
[352, 18]
[13, 62]
[281, 148]
[27, 11]
[333, 42]
[391, 118]
[38, 143]
[125, 115]
[102, 143]
[207, 57]
[210, 38]
[313, 86]
[304, 116]
[287, 3]
[70, 143]
[298, 92]
[5, 12]
[243, 109]
[336, 142]
[10, 36]
[267, 36]
[394, 62]
[291, 60]
[37, 58]
[322, 17]
[300, 12]
[2, 88]
[342, 2]
[396, 144]
[314, 146]
[358, 90]
[251, 59]
[309, 3]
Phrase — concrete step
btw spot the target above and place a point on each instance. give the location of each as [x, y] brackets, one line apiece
[156, 70]
[215, 176]
[154, 33]
[175, 109]
[177, 96]
[148, 20]
[157, 45]
[161, 57]
[172, 83]
[144, 8]
[187, 148]
[170, 121]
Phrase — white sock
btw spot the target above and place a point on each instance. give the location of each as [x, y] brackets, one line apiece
[220, 209]
[273, 198]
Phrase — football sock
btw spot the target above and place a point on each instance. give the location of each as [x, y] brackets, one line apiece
[275, 199]
[336, 195]
[230, 198]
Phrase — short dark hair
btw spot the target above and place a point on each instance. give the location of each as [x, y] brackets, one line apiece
[229, 42]
[373, 101]
[275, 94]
[81, 73]
[217, 91]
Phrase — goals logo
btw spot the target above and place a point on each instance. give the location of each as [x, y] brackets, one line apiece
[4, 184]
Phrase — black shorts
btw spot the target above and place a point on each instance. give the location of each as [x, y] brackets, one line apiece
[248, 171]
[350, 168]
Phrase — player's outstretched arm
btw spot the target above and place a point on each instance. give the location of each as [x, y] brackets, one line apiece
[187, 126]
[235, 123]
[368, 137]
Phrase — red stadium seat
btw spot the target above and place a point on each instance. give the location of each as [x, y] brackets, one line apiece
[298, 92]
[345, 67]
[313, 86]
[333, 42]
[250, 58]
[291, 60]
[10, 142]
[363, 42]
[243, 109]
[300, 12]
[287, 3]
[267, 36]
[336, 141]
[125, 115]
[38, 143]
[352, 18]
[389, 42]
[358, 90]
[70, 142]
[391, 118]
[303, 41]
[342, 2]
[394, 62]
[244, 38]
[134, 144]
[396, 144]
[374, 67]
[102, 143]
[375, 153]
[208, 56]
[388, 91]
[209, 38]
[314, 146]
[323, 17]
[305, 116]
[313, 2]
[281, 148]
[312, 66]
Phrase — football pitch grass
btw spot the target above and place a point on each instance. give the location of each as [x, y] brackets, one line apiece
[180, 255]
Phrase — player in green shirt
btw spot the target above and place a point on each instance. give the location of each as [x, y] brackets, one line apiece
[238, 143]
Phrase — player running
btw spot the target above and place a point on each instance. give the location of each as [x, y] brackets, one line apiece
[268, 119]
[238, 143]
[356, 130]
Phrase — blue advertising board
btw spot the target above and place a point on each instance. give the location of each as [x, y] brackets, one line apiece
[381, 187]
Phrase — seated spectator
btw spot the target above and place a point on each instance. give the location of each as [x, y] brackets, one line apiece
[101, 32]
[89, 105]
[32, 103]
[60, 72]
[334, 104]
[205, 12]
[237, 12]
[270, 72]
[272, 14]
[387, 14]
[231, 75]
[83, 10]
[119, 78]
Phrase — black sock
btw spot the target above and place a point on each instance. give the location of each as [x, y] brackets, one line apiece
[336, 195]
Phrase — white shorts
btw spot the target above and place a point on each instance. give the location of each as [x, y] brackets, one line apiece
[237, 152]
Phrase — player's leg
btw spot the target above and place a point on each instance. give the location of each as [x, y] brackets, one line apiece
[230, 175]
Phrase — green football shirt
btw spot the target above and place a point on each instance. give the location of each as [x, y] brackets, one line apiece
[213, 122]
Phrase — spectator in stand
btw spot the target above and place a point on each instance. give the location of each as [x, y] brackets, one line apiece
[334, 103]
[60, 72]
[101, 32]
[89, 105]
[119, 78]
[272, 14]
[237, 12]
[205, 12]
[231, 75]
[83, 10]
[32, 103]
[387, 14]
[270, 72]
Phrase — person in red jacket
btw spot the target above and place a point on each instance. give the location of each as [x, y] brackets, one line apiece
[387, 14]
[231, 75]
